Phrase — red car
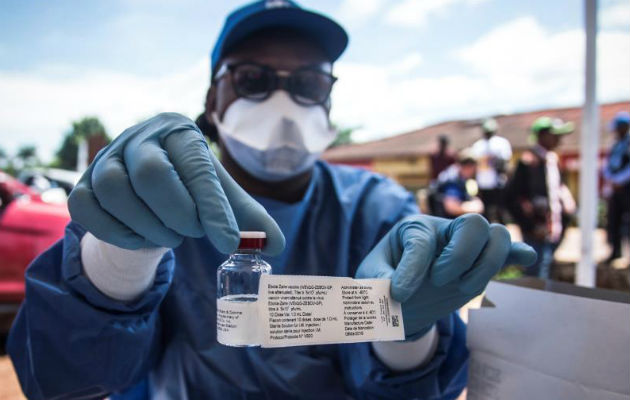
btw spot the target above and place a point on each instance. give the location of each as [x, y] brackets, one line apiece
[28, 226]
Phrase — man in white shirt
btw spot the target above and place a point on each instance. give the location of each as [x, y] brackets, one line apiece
[492, 153]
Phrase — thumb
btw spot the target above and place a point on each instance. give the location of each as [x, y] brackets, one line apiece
[418, 244]
[249, 214]
[521, 254]
[404, 255]
[378, 263]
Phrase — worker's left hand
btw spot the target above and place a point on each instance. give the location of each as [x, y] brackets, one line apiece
[437, 265]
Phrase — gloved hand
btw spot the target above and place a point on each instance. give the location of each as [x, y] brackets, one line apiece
[437, 265]
[158, 182]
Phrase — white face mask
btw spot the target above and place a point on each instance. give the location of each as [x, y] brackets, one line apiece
[275, 139]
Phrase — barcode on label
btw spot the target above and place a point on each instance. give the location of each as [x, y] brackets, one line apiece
[395, 321]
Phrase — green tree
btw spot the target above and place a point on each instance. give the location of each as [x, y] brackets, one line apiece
[344, 137]
[27, 152]
[83, 129]
[27, 155]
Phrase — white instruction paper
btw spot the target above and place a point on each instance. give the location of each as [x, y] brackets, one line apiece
[541, 345]
[295, 310]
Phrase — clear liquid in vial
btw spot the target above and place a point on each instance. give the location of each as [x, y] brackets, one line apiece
[237, 292]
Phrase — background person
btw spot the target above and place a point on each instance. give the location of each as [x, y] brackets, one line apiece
[112, 309]
[442, 158]
[456, 187]
[617, 184]
[493, 153]
[536, 197]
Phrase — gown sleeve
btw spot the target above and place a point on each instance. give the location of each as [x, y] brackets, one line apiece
[71, 341]
[443, 377]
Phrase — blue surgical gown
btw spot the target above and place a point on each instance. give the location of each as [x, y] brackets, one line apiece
[71, 341]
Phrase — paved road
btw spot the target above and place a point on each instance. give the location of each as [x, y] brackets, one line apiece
[9, 387]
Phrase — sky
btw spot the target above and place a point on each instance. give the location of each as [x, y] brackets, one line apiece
[410, 63]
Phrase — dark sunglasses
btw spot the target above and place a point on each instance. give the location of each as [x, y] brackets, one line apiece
[306, 86]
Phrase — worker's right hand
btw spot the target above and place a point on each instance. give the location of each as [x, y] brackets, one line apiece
[157, 183]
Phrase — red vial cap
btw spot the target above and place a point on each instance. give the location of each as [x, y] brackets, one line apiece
[252, 240]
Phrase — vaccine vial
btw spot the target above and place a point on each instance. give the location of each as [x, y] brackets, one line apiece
[237, 292]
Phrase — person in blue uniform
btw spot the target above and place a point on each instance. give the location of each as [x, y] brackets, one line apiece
[124, 306]
[616, 175]
[454, 187]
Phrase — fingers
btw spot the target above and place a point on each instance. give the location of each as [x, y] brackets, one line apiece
[249, 214]
[419, 247]
[87, 212]
[466, 237]
[491, 260]
[193, 163]
[158, 182]
[153, 176]
[521, 254]
[113, 191]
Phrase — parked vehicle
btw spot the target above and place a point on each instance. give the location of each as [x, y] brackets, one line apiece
[28, 226]
[42, 179]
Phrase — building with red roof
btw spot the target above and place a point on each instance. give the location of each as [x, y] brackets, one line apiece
[406, 157]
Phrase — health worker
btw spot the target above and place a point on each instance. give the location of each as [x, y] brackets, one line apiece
[125, 305]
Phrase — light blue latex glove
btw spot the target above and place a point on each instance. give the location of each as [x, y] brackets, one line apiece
[158, 182]
[437, 265]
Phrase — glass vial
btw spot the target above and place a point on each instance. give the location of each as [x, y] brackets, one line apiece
[237, 292]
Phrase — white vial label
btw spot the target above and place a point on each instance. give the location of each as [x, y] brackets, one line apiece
[301, 310]
[237, 320]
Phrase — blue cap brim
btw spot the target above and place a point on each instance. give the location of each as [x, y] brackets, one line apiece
[327, 34]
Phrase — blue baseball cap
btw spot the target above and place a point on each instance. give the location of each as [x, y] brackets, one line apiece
[328, 34]
[622, 117]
